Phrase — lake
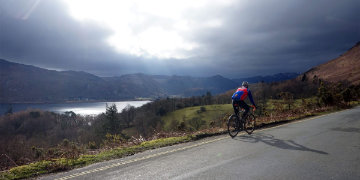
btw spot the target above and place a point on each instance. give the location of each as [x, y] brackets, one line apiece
[85, 108]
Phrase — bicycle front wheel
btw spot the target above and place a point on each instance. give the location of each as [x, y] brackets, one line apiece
[249, 125]
[233, 125]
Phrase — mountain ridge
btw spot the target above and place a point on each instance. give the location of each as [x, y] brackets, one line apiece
[20, 83]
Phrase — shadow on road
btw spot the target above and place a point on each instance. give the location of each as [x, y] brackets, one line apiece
[349, 129]
[279, 143]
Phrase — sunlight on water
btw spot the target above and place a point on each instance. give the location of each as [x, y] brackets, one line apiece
[92, 108]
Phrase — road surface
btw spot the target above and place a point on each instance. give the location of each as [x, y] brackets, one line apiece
[325, 147]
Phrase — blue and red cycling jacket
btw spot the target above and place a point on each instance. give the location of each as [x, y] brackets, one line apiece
[242, 93]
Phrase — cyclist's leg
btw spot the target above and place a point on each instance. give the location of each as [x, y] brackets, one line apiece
[243, 104]
[235, 106]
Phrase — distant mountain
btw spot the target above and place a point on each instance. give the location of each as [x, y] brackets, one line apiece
[344, 68]
[271, 78]
[195, 85]
[135, 85]
[25, 83]
[160, 85]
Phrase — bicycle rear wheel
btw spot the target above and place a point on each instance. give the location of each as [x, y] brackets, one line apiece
[233, 125]
[249, 124]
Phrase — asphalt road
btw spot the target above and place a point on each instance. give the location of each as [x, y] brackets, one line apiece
[325, 147]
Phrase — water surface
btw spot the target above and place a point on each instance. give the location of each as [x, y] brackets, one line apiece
[86, 108]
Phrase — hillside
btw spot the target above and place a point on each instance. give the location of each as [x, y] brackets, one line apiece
[143, 85]
[25, 83]
[21, 83]
[195, 85]
[135, 85]
[268, 79]
[344, 68]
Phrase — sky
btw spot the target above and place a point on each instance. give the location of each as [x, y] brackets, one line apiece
[232, 38]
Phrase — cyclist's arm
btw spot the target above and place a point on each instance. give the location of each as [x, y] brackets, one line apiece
[251, 98]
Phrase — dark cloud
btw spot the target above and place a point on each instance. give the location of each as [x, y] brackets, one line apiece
[255, 38]
[278, 36]
[50, 38]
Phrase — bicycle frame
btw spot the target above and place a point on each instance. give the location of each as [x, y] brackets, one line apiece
[235, 124]
[242, 110]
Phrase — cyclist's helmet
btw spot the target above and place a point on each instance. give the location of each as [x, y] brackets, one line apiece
[245, 84]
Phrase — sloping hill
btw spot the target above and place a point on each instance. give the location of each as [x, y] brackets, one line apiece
[24, 83]
[190, 86]
[271, 78]
[159, 85]
[344, 68]
[136, 85]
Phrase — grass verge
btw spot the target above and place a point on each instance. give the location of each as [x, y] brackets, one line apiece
[56, 165]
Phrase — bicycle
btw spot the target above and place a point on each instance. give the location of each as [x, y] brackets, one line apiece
[235, 126]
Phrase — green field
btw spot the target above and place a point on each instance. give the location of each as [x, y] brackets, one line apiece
[202, 117]
[197, 117]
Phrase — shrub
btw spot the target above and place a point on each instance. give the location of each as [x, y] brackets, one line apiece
[92, 145]
[113, 140]
[325, 96]
[196, 123]
[38, 152]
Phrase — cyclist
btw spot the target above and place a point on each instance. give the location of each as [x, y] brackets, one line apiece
[238, 99]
